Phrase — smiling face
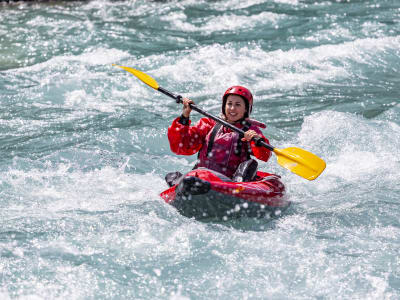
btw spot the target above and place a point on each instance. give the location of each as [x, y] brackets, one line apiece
[235, 108]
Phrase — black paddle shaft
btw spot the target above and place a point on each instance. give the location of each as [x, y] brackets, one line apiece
[178, 98]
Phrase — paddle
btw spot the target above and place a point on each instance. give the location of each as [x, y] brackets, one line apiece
[297, 160]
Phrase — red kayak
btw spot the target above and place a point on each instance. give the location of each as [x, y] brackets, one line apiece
[206, 194]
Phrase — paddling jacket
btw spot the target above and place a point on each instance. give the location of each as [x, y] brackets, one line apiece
[220, 149]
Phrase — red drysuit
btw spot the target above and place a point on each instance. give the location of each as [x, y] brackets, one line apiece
[225, 155]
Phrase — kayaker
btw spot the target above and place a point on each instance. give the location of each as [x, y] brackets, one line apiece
[221, 149]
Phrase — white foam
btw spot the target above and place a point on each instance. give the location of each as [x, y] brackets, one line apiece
[220, 66]
[58, 189]
[92, 57]
[232, 5]
[226, 22]
[356, 150]
[292, 2]
[83, 100]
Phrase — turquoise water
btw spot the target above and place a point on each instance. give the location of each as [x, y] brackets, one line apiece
[84, 149]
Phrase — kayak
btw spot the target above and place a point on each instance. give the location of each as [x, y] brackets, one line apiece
[206, 194]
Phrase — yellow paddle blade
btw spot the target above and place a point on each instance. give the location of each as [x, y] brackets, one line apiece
[142, 76]
[300, 162]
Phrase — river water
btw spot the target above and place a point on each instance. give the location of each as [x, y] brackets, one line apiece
[83, 148]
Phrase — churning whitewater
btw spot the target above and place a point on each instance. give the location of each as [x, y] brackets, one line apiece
[84, 148]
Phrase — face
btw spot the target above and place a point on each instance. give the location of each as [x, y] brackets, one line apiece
[235, 108]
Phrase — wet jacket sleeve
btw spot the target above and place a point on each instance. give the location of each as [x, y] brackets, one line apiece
[261, 153]
[187, 140]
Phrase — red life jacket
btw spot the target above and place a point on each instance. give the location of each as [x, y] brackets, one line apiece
[227, 150]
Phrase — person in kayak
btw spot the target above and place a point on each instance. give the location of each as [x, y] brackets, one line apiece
[221, 149]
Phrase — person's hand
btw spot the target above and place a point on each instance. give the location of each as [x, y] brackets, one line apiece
[186, 107]
[249, 135]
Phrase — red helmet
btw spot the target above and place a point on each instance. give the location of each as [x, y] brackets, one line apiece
[240, 91]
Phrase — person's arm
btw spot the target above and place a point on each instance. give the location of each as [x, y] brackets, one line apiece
[186, 107]
[186, 110]
[261, 153]
[185, 139]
